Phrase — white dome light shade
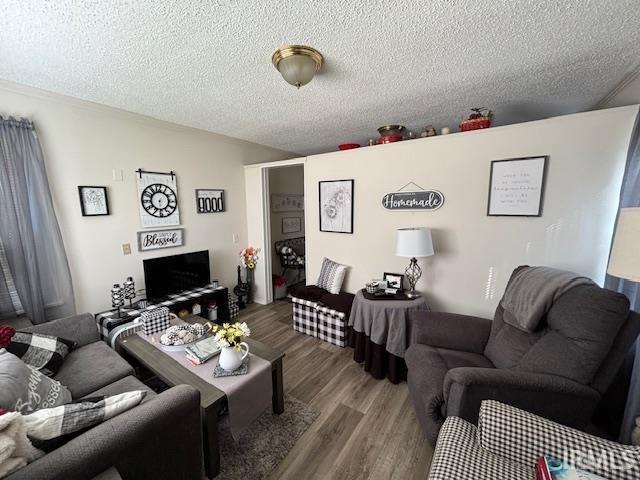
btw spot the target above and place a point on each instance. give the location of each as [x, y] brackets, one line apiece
[414, 242]
[297, 64]
[297, 70]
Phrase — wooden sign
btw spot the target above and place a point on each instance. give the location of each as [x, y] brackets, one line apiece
[423, 200]
[210, 200]
[171, 237]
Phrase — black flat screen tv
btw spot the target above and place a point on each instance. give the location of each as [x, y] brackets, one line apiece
[167, 275]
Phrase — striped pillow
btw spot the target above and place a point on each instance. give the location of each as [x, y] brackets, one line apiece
[331, 276]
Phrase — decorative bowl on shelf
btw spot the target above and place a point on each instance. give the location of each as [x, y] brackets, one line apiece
[389, 139]
[348, 146]
[391, 130]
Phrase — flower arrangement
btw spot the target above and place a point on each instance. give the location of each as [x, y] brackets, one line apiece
[229, 335]
[249, 257]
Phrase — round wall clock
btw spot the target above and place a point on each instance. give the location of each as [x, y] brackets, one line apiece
[159, 200]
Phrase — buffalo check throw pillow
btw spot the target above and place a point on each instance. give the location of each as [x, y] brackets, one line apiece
[42, 352]
[156, 320]
[52, 423]
[331, 276]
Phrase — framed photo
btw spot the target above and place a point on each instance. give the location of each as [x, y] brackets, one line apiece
[156, 239]
[336, 206]
[394, 280]
[209, 200]
[291, 225]
[516, 187]
[93, 201]
[283, 202]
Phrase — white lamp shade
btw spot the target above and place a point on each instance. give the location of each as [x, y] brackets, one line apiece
[624, 261]
[414, 242]
[297, 70]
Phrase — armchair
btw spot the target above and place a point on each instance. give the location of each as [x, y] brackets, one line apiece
[559, 371]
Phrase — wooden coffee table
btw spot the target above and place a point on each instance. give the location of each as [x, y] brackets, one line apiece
[212, 400]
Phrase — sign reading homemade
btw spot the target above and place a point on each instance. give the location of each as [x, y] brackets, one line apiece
[424, 200]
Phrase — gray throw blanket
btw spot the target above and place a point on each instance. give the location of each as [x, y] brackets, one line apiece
[531, 292]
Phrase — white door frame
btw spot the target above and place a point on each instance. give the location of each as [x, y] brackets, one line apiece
[263, 239]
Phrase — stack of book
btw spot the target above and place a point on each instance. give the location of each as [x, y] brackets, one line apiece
[202, 351]
[549, 468]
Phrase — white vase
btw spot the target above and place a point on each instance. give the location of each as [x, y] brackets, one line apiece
[231, 359]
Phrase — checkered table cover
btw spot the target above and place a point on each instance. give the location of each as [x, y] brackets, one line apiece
[458, 456]
[332, 326]
[110, 326]
[305, 316]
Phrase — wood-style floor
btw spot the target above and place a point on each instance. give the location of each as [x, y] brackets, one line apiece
[367, 428]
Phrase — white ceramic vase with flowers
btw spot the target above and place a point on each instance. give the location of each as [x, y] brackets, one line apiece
[232, 349]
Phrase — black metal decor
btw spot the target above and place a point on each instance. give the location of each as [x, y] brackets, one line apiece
[242, 291]
[129, 290]
[117, 298]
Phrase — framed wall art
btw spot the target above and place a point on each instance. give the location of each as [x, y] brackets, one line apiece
[291, 224]
[158, 199]
[93, 201]
[284, 202]
[336, 206]
[156, 239]
[516, 187]
[209, 200]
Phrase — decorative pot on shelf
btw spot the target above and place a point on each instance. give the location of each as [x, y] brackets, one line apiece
[231, 359]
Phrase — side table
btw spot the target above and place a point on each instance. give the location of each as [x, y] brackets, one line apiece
[379, 334]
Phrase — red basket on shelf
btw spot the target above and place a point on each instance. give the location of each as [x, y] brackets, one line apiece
[475, 124]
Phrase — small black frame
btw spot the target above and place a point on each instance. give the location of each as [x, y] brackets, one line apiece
[203, 208]
[82, 205]
[389, 274]
[542, 186]
[320, 204]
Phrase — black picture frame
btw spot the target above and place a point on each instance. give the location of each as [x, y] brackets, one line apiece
[543, 183]
[84, 207]
[202, 207]
[399, 275]
[350, 208]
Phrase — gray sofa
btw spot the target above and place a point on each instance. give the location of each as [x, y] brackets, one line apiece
[160, 438]
[559, 372]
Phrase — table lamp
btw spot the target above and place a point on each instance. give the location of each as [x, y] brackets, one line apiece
[413, 243]
[624, 261]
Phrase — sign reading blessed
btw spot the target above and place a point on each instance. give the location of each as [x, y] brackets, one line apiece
[423, 200]
[160, 239]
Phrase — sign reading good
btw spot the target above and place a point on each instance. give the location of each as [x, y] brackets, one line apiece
[160, 239]
[210, 201]
[423, 200]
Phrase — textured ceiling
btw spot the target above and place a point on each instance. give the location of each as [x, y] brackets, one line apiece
[207, 64]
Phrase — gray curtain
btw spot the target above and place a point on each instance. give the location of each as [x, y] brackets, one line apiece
[630, 197]
[34, 272]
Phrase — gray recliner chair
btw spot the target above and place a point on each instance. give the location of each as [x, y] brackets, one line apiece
[559, 371]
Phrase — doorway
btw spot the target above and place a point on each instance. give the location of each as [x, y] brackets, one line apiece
[286, 228]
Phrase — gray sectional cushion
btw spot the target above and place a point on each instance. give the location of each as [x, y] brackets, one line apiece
[582, 325]
[126, 384]
[91, 367]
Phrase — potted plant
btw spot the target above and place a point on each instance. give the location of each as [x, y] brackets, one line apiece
[229, 339]
[480, 118]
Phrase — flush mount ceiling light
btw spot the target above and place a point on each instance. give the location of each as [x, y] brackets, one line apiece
[297, 63]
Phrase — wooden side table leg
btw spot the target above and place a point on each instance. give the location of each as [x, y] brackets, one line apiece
[211, 445]
[278, 388]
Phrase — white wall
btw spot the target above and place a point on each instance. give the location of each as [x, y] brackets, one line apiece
[287, 180]
[475, 254]
[83, 143]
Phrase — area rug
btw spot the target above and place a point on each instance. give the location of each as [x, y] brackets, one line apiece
[264, 444]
